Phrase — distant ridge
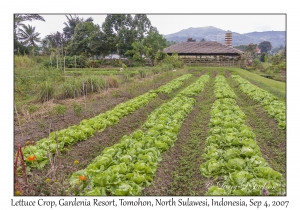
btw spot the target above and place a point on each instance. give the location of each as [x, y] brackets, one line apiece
[211, 33]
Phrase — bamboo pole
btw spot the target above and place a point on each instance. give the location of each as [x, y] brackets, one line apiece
[84, 95]
[47, 90]
[18, 120]
[51, 60]
[64, 64]
[60, 62]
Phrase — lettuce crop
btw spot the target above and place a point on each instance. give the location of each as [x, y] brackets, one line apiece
[88, 127]
[231, 149]
[129, 166]
[271, 104]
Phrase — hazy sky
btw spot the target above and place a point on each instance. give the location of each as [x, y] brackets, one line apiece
[170, 23]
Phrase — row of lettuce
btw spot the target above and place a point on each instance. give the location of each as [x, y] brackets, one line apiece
[232, 154]
[127, 167]
[271, 104]
[37, 156]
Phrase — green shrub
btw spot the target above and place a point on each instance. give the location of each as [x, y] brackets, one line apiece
[93, 64]
[77, 109]
[81, 61]
[69, 89]
[32, 108]
[39, 59]
[171, 62]
[47, 64]
[46, 91]
[124, 66]
[21, 61]
[60, 110]
[79, 86]
[126, 76]
[142, 73]
[155, 70]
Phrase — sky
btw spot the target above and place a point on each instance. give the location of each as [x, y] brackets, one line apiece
[171, 23]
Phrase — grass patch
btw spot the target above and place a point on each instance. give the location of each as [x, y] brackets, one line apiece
[280, 86]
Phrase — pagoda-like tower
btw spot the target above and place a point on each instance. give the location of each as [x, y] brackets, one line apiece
[228, 39]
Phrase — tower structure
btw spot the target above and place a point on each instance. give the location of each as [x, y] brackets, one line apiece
[228, 39]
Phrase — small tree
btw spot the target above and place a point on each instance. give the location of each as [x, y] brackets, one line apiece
[251, 48]
[264, 57]
[265, 46]
[154, 43]
[138, 52]
[150, 47]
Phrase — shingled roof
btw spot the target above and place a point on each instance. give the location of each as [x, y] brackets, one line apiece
[202, 48]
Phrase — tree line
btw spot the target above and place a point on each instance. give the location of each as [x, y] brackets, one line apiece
[130, 36]
[264, 57]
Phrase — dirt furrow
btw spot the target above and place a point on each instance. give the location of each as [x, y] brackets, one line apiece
[96, 104]
[85, 151]
[270, 139]
[178, 173]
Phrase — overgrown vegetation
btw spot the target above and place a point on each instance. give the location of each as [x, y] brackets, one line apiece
[264, 60]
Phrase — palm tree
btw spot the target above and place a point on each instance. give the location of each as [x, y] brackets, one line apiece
[18, 23]
[19, 19]
[28, 36]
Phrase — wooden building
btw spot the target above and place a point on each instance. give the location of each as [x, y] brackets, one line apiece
[209, 53]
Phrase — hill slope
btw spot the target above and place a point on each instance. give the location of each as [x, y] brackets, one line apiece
[210, 33]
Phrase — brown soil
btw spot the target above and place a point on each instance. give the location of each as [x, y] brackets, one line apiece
[86, 151]
[36, 130]
[202, 72]
[197, 73]
[171, 178]
[270, 139]
[215, 73]
[227, 74]
[93, 105]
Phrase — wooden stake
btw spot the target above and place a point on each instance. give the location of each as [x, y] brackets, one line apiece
[60, 62]
[47, 90]
[18, 120]
[51, 59]
[84, 95]
[22, 162]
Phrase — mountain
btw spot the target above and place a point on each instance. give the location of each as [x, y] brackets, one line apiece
[277, 38]
[210, 33]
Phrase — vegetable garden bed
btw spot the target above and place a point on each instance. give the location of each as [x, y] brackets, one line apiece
[135, 160]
